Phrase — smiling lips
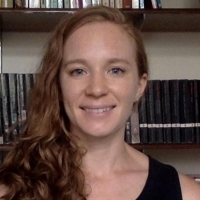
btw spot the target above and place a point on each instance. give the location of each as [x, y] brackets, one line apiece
[98, 110]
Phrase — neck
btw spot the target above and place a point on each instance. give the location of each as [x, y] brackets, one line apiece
[104, 158]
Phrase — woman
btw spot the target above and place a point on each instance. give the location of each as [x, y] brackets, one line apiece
[92, 74]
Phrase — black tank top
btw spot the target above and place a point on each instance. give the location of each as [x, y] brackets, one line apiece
[162, 183]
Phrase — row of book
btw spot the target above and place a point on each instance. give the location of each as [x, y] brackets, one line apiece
[169, 112]
[14, 94]
[136, 4]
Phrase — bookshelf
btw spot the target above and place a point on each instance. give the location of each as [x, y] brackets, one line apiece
[148, 20]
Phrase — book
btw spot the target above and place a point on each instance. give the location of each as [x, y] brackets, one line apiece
[13, 102]
[154, 4]
[166, 111]
[7, 4]
[150, 113]
[5, 108]
[141, 4]
[159, 4]
[48, 3]
[127, 3]
[197, 110]
[106, 3]
[21, 4]
[142, 112]
[53, 3]
[1, 117]
[0, 51]
[191, 108]
[66, 3]
[112, 3]
[134, 122]
[98, 2]
[128, 131]
[118, 3]
[42, 4]
[135, 4]
[21, 96]
[186, 122]
[158, 111]
[34, 3]
[60, 3]
[175, 109]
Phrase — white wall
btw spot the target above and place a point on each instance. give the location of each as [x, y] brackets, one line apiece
[22, 52]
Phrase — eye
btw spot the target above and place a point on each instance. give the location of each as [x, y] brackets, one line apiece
[117, 70]
[78, 72]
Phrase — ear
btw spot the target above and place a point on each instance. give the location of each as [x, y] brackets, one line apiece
[142, 83]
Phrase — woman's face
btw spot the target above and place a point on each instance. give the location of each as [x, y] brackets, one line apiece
[99, 79]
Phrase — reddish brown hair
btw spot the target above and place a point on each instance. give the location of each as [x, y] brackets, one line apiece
[45, 164]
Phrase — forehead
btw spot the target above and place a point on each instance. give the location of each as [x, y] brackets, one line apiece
[104, 28]
[101, 33]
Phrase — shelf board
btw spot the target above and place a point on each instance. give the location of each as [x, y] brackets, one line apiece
[158, 20]
[6, 147]
[165, 146]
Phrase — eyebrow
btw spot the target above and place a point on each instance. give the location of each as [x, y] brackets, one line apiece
[84, 62]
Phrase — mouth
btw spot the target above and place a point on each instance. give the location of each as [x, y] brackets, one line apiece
[98, 110]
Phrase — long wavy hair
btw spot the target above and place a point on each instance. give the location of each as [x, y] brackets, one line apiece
[46, 162]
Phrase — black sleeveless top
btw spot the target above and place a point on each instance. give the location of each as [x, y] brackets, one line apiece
[162, 183]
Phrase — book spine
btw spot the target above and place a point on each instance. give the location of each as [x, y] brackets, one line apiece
[128, 131]
[186, 125]
[191, 117]
[158, 110]
[134, 122]
[106, 3]
[21, 100]
[88, 3]
[66, 3]
[154, 4]
[47, 3]
[143, 120]
[175, 115]
[7, 4]
[60, 4]
[42, 4]
[0, 50]
[54, 3]
[127, 3]
[1, 116]
[135, 4]
[112, 3]
[167, 133]
[118, 3]
[141, 4]
[13, 106]
[150, 113]
[5, 107]
[97, 2]
[159, 4]
[34, 3]
[197, 109]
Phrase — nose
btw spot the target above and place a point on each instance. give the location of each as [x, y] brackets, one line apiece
[97, 86]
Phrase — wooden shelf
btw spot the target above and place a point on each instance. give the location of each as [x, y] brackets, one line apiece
[158, 20]
[165, 146]
[5, 147]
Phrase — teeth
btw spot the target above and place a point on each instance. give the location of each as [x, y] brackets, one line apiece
[97, 110]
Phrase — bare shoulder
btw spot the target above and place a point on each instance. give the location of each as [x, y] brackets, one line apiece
[190, 189]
